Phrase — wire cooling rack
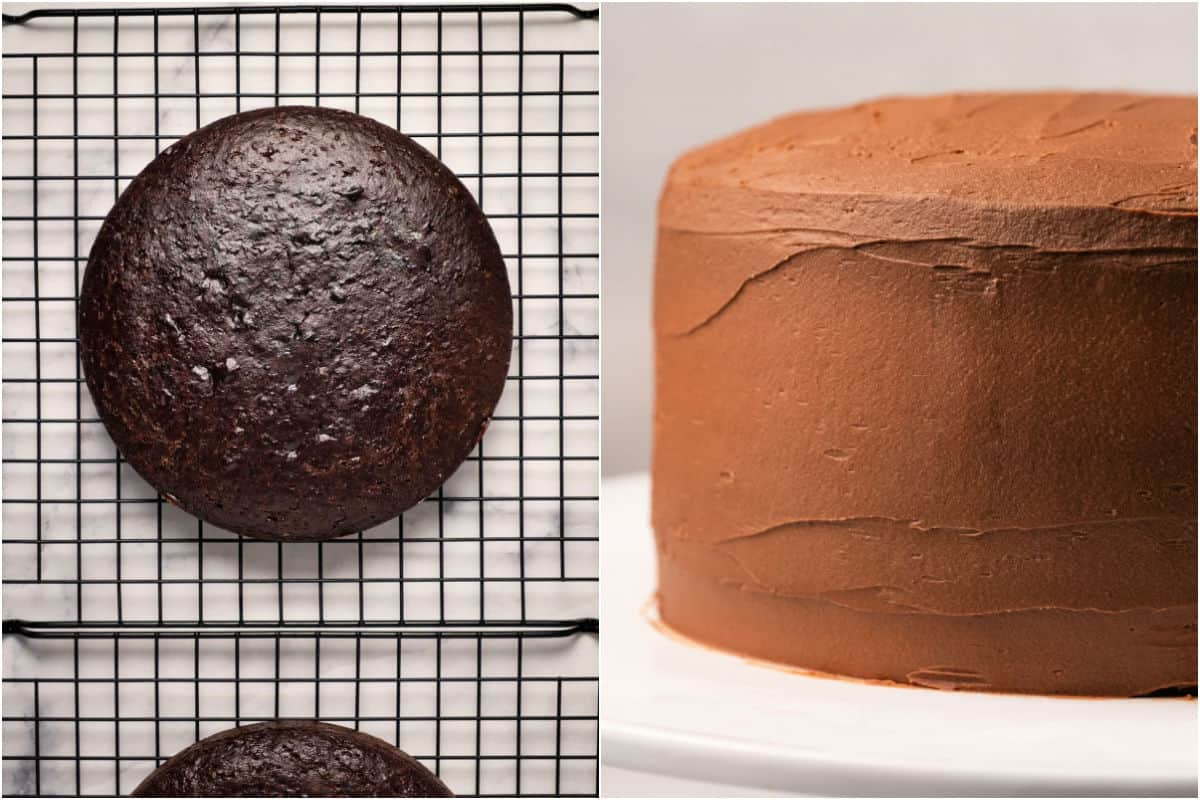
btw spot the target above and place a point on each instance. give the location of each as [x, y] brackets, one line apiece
[463, 632]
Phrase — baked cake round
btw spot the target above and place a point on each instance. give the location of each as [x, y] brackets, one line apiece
[926, 393]
[295, 323]
[291, 759]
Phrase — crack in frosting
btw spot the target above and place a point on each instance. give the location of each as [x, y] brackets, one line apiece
[899, 566]
[910, 252]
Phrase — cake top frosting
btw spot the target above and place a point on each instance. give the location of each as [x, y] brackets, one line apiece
[1135, 152]
[1094, 179]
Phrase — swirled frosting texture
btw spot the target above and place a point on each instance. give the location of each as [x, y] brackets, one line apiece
[926, 392]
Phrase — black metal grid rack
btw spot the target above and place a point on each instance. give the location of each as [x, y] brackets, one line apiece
[464, 632]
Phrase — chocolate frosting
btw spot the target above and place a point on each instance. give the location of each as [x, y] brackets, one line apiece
[926, 392]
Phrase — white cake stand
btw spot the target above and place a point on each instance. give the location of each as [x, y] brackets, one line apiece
[669, 708]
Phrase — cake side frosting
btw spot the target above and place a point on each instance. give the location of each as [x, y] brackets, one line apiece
[927, 367]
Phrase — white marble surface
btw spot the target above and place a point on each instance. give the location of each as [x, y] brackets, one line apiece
[69, 540]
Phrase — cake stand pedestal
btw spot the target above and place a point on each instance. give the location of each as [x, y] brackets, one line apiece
[683, 712]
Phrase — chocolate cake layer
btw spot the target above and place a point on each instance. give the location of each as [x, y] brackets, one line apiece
[926, 392]
[295, 323]
[291, 759]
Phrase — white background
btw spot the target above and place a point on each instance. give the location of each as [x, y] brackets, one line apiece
[676, 76]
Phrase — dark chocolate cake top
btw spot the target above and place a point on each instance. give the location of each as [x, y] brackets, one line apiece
[291, 759]
[295, 323]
